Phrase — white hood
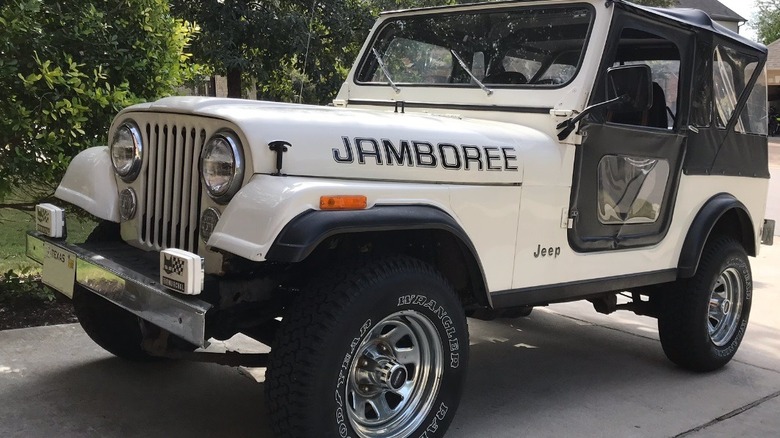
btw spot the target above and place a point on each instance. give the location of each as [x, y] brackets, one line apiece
[380, 145]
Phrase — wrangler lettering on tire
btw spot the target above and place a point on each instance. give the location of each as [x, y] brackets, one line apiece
[398, 373]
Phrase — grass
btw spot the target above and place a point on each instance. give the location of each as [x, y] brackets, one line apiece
[14, 225]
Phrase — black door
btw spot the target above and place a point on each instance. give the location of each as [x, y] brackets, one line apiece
[628, 165]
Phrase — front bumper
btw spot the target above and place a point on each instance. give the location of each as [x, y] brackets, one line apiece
[128, 279]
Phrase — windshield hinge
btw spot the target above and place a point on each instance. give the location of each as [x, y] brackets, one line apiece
[561, 112]
[280, 147]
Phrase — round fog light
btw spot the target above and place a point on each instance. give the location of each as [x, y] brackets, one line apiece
[208, 221]
[127, 204]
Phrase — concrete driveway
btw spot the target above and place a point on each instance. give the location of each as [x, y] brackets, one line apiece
[564, 371]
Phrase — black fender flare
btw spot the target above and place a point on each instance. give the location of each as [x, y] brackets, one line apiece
[301, 236]
[304, 233]
[703, 224]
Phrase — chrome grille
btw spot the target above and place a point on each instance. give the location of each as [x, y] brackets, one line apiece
[172, 193]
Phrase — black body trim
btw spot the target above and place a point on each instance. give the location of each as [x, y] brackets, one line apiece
[450, 106]
[577, 290]
[702, 226]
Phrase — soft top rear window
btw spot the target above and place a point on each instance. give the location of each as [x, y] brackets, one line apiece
[521, 47]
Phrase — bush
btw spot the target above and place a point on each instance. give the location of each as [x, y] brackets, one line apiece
[66, 68]
[23, 285]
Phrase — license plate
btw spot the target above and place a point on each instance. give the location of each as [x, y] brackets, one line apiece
[59, 269]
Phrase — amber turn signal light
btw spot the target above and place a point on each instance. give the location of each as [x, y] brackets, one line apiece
[343, 202]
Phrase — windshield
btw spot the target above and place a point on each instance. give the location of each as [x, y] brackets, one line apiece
[528, 47]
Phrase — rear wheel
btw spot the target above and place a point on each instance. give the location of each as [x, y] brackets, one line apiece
[703, 319]
[376, 351]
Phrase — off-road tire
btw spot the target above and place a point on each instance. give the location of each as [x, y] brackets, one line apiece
[105, 231]
[685, 320]
[111, 327]
[332, 323]
[108, 325]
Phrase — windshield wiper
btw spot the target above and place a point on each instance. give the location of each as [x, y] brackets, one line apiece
[383, 66]
[463, 65]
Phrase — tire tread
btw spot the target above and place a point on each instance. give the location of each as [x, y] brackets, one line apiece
[293, 352]
[678, 323]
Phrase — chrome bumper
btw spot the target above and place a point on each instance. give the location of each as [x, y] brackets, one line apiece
[137, 293]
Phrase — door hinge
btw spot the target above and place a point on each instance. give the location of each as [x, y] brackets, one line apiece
[570, 221]
[567, 218]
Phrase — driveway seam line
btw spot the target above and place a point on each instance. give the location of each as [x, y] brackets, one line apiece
[756, 366]
[649, 338]
[729, 415]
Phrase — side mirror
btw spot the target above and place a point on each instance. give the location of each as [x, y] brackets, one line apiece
[635, 83]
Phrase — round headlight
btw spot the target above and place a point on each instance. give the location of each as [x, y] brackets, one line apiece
[222, 166]
[127, 151]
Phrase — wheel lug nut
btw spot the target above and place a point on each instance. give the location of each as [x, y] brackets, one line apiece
[365, 388]
[363, 362]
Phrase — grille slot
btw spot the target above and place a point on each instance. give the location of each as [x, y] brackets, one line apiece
[172, 187]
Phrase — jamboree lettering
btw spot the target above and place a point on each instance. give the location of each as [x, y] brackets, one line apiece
[413, 153]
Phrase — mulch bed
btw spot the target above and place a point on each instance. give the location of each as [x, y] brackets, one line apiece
[21, 312]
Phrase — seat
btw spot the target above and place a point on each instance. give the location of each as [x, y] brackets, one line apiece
[656, 116]
[505, 77]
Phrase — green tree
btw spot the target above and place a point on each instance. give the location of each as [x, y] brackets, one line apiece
[292, 48]
[767, 20]
[66, 68]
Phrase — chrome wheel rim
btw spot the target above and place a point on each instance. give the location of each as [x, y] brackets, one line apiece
[394, 376]
[725, 307]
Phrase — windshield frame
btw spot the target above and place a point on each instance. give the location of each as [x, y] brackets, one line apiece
[367, 54]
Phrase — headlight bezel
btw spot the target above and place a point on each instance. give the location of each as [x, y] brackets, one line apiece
[237, 177]
[134, 170]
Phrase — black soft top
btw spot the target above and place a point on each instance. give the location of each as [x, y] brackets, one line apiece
[692, 18]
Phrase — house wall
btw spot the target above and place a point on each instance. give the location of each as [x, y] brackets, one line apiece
[730, 25]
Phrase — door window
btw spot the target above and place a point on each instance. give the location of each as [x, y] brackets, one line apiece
[631, 189]
[639, 47]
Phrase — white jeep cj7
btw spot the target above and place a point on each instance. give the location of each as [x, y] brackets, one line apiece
[479, 160]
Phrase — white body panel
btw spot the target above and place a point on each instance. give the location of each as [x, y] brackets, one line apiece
[312, 151]
[544, 219]
[90, 183]
[263, 207]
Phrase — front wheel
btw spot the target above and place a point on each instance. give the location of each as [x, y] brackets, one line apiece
[376, 351]
[111, 327]
[703, 319]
